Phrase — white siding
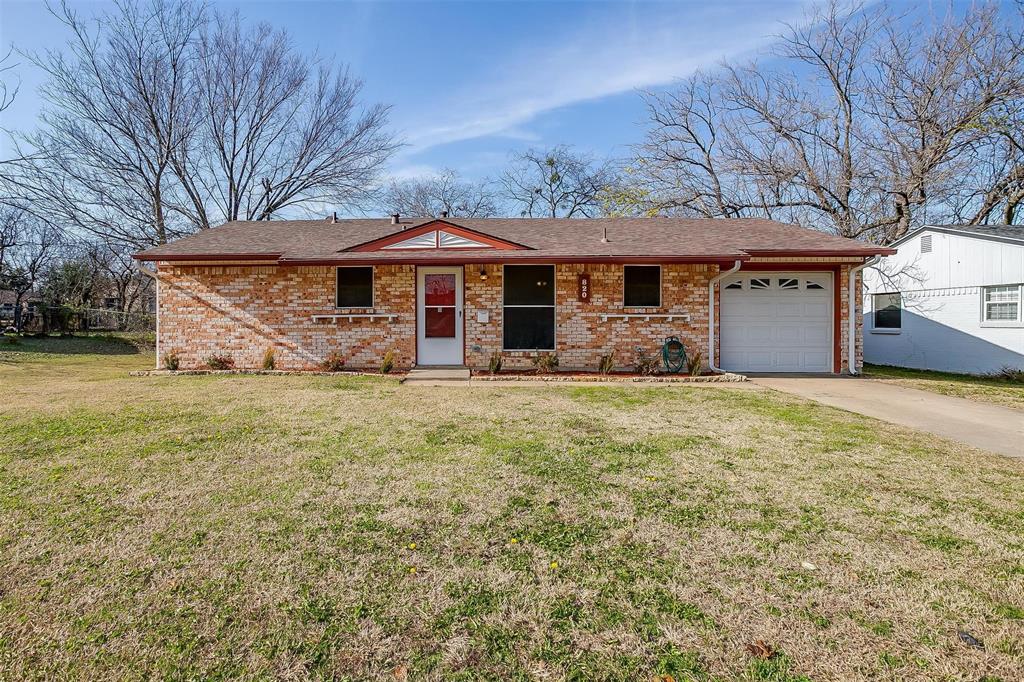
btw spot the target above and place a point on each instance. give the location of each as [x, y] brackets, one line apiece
[942, 308]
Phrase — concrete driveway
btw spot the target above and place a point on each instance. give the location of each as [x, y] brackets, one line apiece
[988, 427]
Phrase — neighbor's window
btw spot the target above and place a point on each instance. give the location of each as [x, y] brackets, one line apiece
[1002, 304]
[888, 311]
[355, 288]
[529, 307]
[641, 286]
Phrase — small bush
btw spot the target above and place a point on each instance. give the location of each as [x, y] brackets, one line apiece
[171, 361]
[268, 359]
[11, 340]
[694, 363]
[1013, 375]
[607, 363]
[546, 363]
[334, 362]
[388, 363]
[220, 362]
[645, 364]
[494, 365]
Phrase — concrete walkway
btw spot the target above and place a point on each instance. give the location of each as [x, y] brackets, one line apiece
[988, 427]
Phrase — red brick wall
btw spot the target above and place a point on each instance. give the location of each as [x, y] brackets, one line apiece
[581, 337]
[241, 310]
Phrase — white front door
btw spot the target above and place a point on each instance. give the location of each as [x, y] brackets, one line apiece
[777, 322]
[439, 316]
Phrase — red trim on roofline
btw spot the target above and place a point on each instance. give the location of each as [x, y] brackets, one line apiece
[458, 256]
[273, 257]
[423, 228]
[831, 253]
[461, 259]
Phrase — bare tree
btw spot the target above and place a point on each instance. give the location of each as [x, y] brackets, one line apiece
[277, 129]
[873, 127]
[8, 89]
[115, 268]
[29, 260]
[556, 183]
[118, 106]
[160, 120]
[12, 231]
[445, 193]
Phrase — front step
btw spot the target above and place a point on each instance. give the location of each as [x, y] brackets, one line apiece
[429, 375]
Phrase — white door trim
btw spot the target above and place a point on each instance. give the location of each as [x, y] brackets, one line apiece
[444, 351]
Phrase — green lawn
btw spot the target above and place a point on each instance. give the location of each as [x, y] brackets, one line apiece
[986, 389]
[351, 528]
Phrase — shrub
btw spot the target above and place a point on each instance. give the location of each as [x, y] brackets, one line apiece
[546, 363]
[334, 362]
[694, 362]
[1014, 375]
[268, 359]
[646, 365]
[220, 362]
[11, 340]
[607, 363]
[171, 361]
[494, 365]
[388, 363]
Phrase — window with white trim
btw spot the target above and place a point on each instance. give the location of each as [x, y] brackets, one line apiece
[528, 307]
[641, 286]
[1001, 304]
[354, 287]
[888, 311]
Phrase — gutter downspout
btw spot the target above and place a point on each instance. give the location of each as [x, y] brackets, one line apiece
[153, 273]
[711, 314]
[851, 335]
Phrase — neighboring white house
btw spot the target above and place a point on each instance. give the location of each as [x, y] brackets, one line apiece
[950, 299]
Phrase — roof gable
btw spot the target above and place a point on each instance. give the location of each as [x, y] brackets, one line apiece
[436, 234]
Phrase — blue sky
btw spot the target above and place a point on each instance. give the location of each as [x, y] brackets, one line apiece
[468, 81]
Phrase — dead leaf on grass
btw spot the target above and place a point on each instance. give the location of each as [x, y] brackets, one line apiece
[401, 673]
[760, 649]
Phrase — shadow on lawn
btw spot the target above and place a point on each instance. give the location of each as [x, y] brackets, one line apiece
[94, 344]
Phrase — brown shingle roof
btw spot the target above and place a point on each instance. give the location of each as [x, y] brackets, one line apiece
[321, 241]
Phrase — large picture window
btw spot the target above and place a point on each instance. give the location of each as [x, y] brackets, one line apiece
[529, 307]
[888, 311]
[1002, 304]
[641, 286]
[355, 288]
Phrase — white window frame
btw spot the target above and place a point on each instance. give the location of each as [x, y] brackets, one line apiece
[874, 310]
[1019, 322]
[373, 288]
[554, 306]
[661, 286]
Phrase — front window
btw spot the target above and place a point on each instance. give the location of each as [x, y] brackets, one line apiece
[1002, 304]
[355, 288]
[529, 307]
[641, 286]
[888, 311]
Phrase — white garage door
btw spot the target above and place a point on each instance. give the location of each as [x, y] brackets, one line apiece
[777, 322]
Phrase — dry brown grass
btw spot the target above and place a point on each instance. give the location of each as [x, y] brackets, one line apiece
[989, 389]
[198, 527]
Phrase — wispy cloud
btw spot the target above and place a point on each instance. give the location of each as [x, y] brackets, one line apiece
[656, 45]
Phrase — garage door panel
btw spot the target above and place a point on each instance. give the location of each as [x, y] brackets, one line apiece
[788, 335]
[817, 335]
[779, 328]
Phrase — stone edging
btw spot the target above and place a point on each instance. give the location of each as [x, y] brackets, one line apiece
[261, 372]
[605, 378]
[725, 377]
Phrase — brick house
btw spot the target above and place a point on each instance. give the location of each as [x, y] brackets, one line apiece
[750, 295]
